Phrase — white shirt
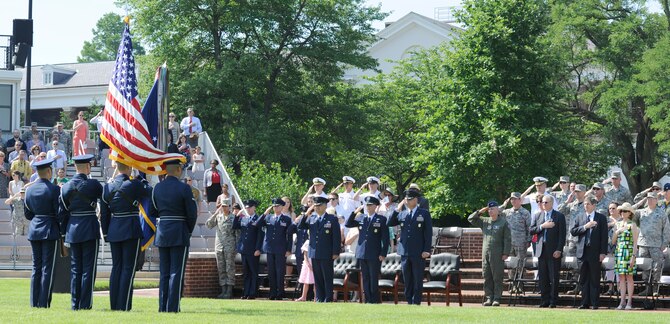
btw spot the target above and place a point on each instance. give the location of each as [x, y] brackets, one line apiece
[534, 206]
[59, 163]
[97, 120]
[348, 203]
[197, 127]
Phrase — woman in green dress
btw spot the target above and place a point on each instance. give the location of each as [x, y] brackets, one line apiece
[625, 240]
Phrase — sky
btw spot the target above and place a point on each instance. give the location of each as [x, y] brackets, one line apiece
[61, 27]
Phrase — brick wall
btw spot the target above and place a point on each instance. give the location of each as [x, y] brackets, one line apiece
[471, 243]
[201, 278]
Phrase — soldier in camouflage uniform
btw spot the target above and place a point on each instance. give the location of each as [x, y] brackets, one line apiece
[572, 208]
[518, 219]
[653, 239]
[615, 192]
[19, 221]
[640, 198]
[561, 195]
[496, 247]
[226, 240]
[603, 201]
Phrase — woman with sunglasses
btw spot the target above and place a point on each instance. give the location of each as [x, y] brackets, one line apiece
[625, 239]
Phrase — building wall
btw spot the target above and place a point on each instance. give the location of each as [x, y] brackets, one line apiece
[10, 120]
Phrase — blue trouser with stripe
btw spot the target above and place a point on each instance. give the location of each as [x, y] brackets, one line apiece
[44, 260]
[276, 274]
[83, 260]
[172, 268]
[412, 273]
[124, 259]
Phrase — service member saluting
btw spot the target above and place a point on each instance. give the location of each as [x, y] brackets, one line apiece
[249, 246]
[277, 246]
[119, 215]
[78, 201]
[173, 203]
[42, 211]
[373, 244]
[324, 246]
[416, 231]
[496, 246]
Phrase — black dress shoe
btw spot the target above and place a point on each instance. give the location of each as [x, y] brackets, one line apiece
[594, 307]
[272, 298]
[251, 297]
[582, 307]
[543, 305]
[244, 297]
[552, 306]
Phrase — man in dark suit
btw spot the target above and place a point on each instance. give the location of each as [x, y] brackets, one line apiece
[590, 229]
[324, 246]
[277, 246]
[414, 245]
[176, 209]
[373, 245]
[78, 201]
[249, 246]
[549, 226]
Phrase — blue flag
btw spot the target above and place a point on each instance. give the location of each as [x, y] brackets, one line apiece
[150, 114]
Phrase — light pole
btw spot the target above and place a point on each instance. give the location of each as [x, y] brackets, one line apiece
[29, 68]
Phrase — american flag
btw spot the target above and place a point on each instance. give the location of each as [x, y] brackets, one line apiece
[124, 128]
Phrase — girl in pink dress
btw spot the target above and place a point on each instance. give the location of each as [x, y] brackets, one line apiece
[306, 275]
[80, 130]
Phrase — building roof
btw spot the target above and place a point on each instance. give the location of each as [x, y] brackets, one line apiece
[442, 28]
[74, 75]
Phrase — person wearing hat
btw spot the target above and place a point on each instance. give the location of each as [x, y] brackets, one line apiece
[213, 180]
[277, 245]
[590, 229]
[78, 202]
[656, 188]
[19, 221]
[325, 243]
[388, 202]
[41, 209]
[518, 219]
[28, 135]
[549, 225]
[598, 191]
[571, 209]
[121, 228]
[176, 209]
[614, 191]
[540, 185]
[561, 195]
[653, 240]
[625, 239]
[372, 185]
[249, 246]
[316, 189]
[224, 246]
[347, 197]
[414, 245]
[372, 247]
[496, 246]
[423, 202]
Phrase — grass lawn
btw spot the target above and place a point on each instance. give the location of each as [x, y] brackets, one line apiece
[15, 308]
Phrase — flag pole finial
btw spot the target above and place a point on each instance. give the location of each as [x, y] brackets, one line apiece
[126, 20]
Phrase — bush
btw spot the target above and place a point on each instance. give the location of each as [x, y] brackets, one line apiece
[261, 182]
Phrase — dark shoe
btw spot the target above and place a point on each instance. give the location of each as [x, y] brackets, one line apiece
[543, 305]
[582, 307]
[221, 295]
[251, 297]
[594, 307]
[573, 292]
[245, 297]
[552, 306]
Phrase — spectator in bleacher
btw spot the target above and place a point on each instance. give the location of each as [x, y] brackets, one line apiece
[15, 153]
[642, 195]
[58, 156]
[9, 146]
[28, 135]
[225, 194]
[561, 195]
[277, 243]
[60, 179]
[36, 142]
[80, 135]
[16, 184]
[653, 239]
[64, 137]
[194, 190]
[224, 247]
[590, 229]
[39, 157]
[60, 145]
[19, 221]
[198, 159]
[5, 175]
[173, 128]
[213, 181]
[184, 148]
[625, 239]
[102, 146]
[35, 151]
[191, 127]
[22, 165]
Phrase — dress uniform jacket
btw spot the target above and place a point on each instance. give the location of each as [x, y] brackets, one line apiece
[42, 211]
[415, 232]
[373, 235]
[122, 196]
[79, 199]
[176, 210]
[278, 236]
[251, 236]
[324, 236]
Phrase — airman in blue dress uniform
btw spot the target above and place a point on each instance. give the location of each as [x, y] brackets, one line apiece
[119, 215]
[41, 209]
[373, 245]
[249, 246]
[78, 201]
[176, 209]
[414, 246]
[277, 245]
[324, 246]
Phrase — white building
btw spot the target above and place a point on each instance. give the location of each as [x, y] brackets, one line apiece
[400, 39]
[10, 84]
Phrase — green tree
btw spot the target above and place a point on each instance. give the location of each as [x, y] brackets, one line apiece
[105, 42]
[263, 182]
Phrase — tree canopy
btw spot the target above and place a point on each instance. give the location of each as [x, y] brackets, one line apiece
[105, 42]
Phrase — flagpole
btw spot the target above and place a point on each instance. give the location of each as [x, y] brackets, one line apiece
[163, 106]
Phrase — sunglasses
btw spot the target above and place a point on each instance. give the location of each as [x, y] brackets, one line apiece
[331, 199]
[544, 202]
[171, 116]
[656, 189]
[562, 182]
[595, 189]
